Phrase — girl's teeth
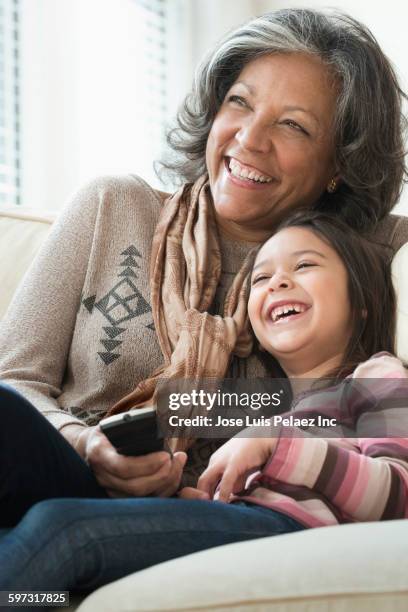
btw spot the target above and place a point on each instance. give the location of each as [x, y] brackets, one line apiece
[281, 310]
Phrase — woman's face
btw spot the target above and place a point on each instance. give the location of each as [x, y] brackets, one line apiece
[271, 146]
[299, 305]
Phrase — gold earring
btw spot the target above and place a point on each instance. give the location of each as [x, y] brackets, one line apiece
[332, 186]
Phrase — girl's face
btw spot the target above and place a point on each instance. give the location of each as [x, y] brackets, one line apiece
[299, 305]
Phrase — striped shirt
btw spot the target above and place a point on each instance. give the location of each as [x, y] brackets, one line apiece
[360, 477]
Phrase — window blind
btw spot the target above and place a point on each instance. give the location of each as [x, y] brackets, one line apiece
[154, 17]
[9, 102]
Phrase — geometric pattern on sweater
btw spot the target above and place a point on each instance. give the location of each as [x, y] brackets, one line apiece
[120, 304]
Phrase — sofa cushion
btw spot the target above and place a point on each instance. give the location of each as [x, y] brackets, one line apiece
[360, 567]
[400, 281]
[22, 234]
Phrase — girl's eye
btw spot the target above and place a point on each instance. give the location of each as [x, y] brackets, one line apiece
[304, 264]
[259, 278]
[296, 126]
[237, 100]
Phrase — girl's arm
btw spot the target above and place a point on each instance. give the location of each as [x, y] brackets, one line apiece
[369, 483]
[366, 488]
[366, 478]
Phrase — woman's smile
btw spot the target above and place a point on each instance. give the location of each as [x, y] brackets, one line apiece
[245, 176]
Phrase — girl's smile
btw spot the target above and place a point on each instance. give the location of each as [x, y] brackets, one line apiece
[283, 311]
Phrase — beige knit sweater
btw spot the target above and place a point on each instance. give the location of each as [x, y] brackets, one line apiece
[79, 332]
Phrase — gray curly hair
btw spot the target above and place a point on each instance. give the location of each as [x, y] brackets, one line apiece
[369, 124]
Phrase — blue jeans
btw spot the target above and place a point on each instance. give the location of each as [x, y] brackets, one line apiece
[81, 544]
[84, 539]
[36, 462]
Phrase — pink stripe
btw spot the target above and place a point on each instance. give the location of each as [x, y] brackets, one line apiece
[294, 510]
[277, 461]
[288, 457]
[361, 483]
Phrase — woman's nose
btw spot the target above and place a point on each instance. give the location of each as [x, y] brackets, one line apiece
[254, 135]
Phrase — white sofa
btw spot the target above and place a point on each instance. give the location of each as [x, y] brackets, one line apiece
[353, 568]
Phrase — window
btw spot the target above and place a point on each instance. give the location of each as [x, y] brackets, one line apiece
[89, 89]
[9, 102]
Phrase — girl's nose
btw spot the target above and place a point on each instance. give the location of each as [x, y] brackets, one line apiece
[280, 281]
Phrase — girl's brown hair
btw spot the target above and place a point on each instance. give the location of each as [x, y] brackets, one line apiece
[371, 292]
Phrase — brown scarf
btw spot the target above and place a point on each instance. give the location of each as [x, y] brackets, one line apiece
[185, 269]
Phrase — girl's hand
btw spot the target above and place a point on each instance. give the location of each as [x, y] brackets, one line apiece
[233, 462]
[192, 493]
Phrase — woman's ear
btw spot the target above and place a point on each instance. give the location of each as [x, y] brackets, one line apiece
[364, 313]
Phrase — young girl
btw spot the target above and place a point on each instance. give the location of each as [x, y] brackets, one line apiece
[322, 304]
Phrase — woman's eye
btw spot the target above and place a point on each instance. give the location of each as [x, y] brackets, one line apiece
[237, 100]
[304, 264]
[296, 126]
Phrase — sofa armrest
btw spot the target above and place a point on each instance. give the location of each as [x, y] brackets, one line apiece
[22, 232]
[400, 281]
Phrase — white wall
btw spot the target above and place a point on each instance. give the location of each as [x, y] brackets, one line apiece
[212, 19]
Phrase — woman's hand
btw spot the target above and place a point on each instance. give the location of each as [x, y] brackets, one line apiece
[122, 476]
[234, 461]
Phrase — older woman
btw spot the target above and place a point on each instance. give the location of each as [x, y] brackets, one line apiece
[294, 109]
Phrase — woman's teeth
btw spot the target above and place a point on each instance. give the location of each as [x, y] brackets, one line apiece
[282, 311]
[244, 173]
